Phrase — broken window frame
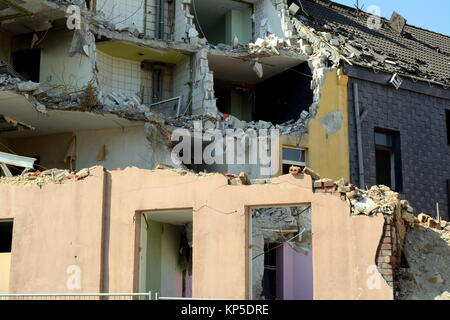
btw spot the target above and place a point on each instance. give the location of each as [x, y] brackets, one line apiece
[157, 83]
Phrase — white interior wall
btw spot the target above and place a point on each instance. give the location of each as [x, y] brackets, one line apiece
[119, 75]
[58, 70]
[125, 147]
[180, 27]
[122, 13]
[127, 77]
[181, 81]
[151, 18]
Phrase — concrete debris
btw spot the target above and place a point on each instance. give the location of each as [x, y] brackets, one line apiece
[312, 173]
[51, 176]
[427, 274]
[27, 86]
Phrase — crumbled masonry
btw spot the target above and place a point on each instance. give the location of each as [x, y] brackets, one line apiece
[51, 176]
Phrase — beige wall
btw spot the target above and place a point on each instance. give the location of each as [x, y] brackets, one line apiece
[5, 263]
[57, 223]
[55, 227]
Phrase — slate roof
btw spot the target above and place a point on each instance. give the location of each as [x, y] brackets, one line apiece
[416, 52]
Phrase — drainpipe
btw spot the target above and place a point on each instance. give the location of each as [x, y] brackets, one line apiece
[145, 17]
[359, 136]
[160, 20]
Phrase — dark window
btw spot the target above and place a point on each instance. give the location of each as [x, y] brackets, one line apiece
[388, 159]
[293, 157]
[447, 118]
[270, 271]
[28, 63]
[6, 232]
[157, 81]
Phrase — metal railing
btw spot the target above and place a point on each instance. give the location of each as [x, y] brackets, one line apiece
[79, 296]
[91, 296]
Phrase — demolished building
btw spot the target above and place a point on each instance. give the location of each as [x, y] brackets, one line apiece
[110, 86]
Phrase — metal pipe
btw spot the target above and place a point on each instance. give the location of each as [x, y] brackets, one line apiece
[359, 136]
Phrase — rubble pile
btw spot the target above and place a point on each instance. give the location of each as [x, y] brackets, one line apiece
[426, 275]
[376, 200]
[51, 176]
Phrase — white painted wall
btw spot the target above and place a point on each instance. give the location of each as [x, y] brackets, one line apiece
[181, 79]
[125, 147]
[58, 69]
[122, 13]
[119, 75]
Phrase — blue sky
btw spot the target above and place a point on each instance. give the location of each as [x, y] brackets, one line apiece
[433, 15]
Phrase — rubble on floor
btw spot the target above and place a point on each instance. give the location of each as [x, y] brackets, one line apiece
[427, 253]
[51, 176]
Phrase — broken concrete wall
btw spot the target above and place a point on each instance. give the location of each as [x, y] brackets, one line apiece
[59, 72]
[107, 205]
[182, 84]
[184, 20]
[203, 98]
[267, 18]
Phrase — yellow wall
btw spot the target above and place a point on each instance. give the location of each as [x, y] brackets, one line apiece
[328, 154]
[5, 262]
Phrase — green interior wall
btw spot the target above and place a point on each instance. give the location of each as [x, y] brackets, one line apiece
[238, 23]
[163, 274]
[240, 105]
[216, 34]
[154, 236]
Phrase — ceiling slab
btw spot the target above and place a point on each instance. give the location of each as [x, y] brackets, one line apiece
[238, 69]
[134, 52]
[176, 217]
[17, 107]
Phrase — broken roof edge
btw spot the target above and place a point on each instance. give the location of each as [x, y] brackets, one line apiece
[354, 10]
[414, 84]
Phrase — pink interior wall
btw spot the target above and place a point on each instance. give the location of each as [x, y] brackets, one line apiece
[294, 274]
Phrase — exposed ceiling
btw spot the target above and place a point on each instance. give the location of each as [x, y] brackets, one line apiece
[25, 16]
[230, 68]
[134, 52]
[17, 107]
[177, 217]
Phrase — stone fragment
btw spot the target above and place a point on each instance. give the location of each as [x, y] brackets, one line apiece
[311, 173]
